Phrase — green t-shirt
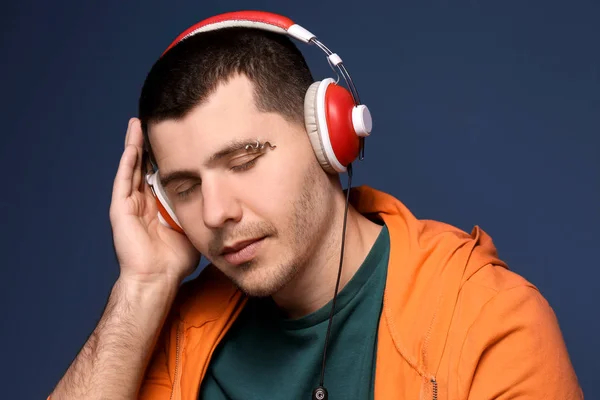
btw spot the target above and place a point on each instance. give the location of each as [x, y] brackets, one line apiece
[266, 357]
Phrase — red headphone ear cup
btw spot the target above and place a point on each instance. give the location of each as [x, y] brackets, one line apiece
[165, 218]
[344, 140]
[328, 120]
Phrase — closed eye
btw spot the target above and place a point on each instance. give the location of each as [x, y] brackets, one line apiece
[185, 193]
[245, 166]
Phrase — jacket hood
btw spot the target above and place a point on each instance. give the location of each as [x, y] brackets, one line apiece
[429, 262]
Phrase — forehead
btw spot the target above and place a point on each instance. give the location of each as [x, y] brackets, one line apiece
[227, 114]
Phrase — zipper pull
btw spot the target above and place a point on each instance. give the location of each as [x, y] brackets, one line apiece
[435, 389]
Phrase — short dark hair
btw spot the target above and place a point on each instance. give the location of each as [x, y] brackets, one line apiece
[190, 71]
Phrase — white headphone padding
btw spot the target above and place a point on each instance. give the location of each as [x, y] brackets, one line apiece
[312, 126]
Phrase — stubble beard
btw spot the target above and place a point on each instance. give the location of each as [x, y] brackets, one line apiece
[307, 227]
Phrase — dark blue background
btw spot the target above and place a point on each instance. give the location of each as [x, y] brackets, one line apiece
[485, 113]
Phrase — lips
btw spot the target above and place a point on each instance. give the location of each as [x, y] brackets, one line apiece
[242, 252]
[238, 246]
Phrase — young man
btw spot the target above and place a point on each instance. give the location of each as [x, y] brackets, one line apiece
[423, 311]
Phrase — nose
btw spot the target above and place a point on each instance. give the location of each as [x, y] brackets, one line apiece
[220, 205]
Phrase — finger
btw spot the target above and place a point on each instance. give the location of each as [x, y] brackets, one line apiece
[150, 199]
[135, 135]
[136, 138]
[123, 183]
[146, 168]
[131, 120]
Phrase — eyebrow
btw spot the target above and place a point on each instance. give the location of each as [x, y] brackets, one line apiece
[229, 148]
[167, 179]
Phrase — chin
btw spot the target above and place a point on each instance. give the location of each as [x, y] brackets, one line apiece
[256, 279]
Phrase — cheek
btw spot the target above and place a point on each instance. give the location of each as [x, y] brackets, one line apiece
[199, 236]
[272, 190]
[190, 216]
[267, 195]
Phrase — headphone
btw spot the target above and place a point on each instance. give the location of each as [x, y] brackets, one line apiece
[335, 120]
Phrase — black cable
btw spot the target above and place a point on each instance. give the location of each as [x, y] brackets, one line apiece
[320, 393]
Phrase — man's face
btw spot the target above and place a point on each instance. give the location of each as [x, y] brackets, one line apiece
[258, 215]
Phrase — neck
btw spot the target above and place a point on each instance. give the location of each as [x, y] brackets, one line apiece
[314, 286]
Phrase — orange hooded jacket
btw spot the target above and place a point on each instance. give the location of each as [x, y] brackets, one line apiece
[455, 324]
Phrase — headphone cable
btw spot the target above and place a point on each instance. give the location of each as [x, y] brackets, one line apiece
[320, 393]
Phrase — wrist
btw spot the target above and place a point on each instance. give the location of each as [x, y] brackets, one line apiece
[150, 281]
[140, 292]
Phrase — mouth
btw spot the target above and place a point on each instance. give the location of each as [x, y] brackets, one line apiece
[242, 252]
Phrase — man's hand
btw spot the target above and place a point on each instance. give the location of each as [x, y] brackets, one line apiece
[147, 251]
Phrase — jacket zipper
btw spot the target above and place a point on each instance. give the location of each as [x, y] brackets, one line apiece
[176, 365]
[435, 389]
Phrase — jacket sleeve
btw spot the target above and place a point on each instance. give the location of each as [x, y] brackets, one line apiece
[515, 349]
[156, 384]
